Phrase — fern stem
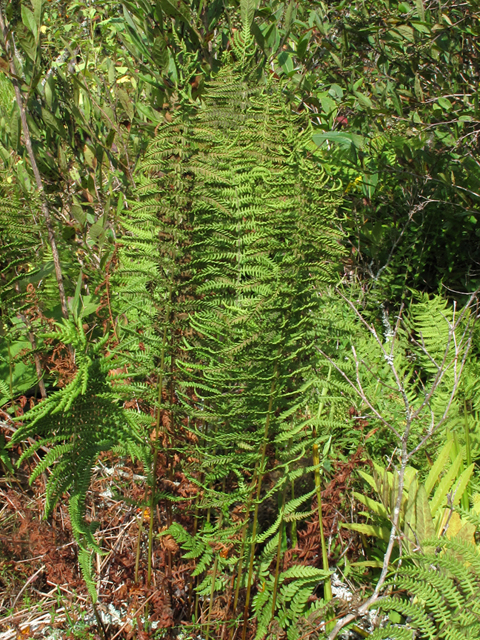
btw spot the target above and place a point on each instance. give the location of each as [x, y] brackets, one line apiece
[293, 528]
[257, 499]
[38, 366]
[212, 588]
[195, 613]
[248, 507]
[212, 593]
[468, 448]
[137, 553]
[155, 454]
[468, 456]
[316, 463]
[240, 564]
[241, 554]
[10, 369]
[279, 553]
[100, 624]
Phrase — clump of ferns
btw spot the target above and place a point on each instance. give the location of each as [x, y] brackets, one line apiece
[262, 247]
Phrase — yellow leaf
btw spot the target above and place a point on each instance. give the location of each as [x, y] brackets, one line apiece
[454, 525]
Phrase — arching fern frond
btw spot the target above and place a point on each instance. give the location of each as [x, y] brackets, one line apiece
[82, 419]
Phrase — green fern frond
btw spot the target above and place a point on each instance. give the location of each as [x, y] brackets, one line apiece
[82, 420]
[440, 593]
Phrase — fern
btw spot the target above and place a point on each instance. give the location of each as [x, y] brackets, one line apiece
[81, 420]
[224, 253]
[440, 594]
[262, 246]
[254, 272]
[21, 247]
[207, 548]
[297, 585]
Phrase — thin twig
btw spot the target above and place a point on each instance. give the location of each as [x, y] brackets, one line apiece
[29, 581]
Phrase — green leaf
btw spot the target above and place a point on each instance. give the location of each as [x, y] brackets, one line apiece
[438, 467]
[29, 45]
[37, 11]
[421, 27]
[397, 103]
[369, 530]
[374, 506]
[289, 15]
[405, 32]
[374, 564]
[425, 529]
[420, 9]
[74, 302]
[286, 63]
[127, 103]
[160, 52]
[368, 478]
[78, 213]
[247, 12]
[445, 484]
[179, 10]
[369, 184]
[89, 156]
[96, 233]
[363, 100]
[49, 91]
[462, 483]
[29, 21]
[14, 370]
[336, 59]
[418, 88]
[89, 304]
[258, 35]
[4, 457]
[53, 122]
[445, 103]
[344, 140]
[148, 112]
[328, 104]
[4, 154]
[134, 37]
